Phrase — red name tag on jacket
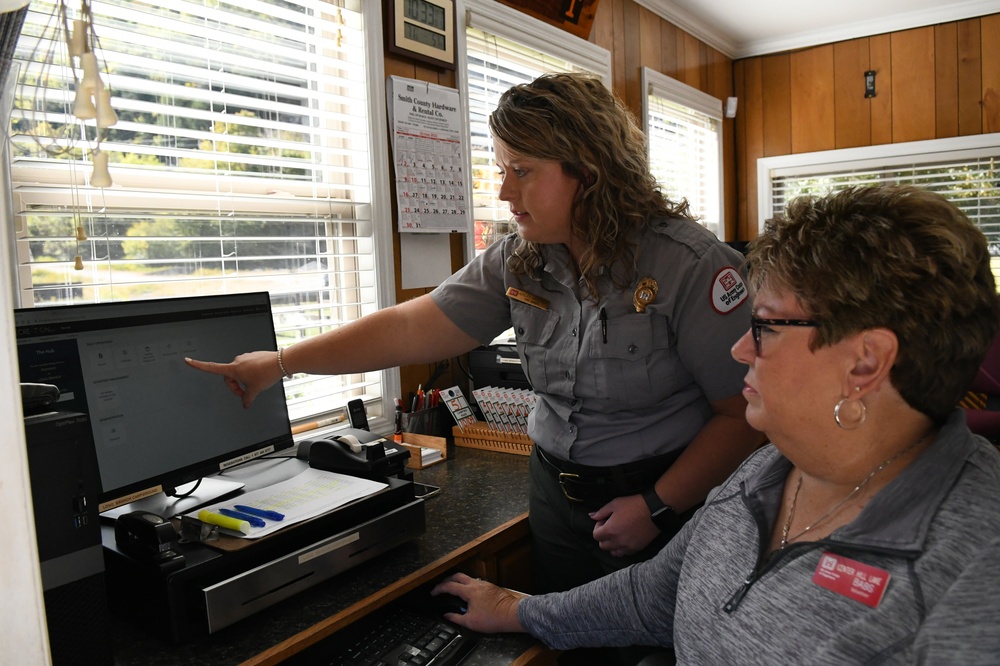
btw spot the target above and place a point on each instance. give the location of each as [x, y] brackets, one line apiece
[853, 579]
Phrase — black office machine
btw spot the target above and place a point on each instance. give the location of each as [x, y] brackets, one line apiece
[356, 452]
[227, 580]
[155, 425]
[497, 365]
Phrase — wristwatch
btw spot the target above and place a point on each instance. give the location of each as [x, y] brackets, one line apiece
[662, 514]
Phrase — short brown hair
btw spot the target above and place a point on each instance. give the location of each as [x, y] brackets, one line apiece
[897, 257]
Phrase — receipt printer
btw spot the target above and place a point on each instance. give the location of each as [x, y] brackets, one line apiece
[358, 453]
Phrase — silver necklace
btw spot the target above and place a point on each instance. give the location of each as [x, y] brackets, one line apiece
[857, 489]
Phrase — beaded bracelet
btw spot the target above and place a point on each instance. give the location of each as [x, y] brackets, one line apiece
[281, 366]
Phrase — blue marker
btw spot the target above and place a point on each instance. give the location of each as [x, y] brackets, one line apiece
[261, 513]
[253, 520]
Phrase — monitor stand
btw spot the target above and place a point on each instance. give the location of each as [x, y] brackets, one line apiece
[211, 488]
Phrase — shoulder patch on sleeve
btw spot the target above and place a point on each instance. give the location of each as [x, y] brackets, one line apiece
[729, 290]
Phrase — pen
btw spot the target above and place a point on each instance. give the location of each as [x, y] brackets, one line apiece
[398, 436]
[206, 516]
[262, 513]
[304, 427]
[604, 325]
[238, 515]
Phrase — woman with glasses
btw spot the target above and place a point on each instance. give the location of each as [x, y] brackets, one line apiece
[868, 531]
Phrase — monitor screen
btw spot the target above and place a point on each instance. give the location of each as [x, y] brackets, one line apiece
[157, 423]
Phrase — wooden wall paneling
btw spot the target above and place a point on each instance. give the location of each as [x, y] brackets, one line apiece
[395, 66]
[880, 56]
[720, 85]
[945, 80]
[739, 168]
[852, 110]
[691, 66]
[705, 54]
[668, 49]
[776, 112]
[970, 77]
[990, 41]
[913, 98]
[681, 56]
[602, 31]
[730, 189]
[813, 99]
[457, 244]
[720, 75]
[630, 45]
[425, 73]
[753, 130]
[617, 52]
[649, 41]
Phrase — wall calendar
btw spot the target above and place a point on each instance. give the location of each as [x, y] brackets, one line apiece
[431, 167]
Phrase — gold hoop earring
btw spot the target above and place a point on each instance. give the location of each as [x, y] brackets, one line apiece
[854, 419]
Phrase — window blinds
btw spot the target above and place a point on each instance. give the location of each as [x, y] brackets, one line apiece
[497, 60]
[684, 130]
[240, 163]
[966, 176]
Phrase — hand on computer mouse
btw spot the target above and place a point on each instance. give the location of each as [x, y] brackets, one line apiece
[489, 608]
[445, 603]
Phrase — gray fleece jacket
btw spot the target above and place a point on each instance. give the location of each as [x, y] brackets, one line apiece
[713, 593]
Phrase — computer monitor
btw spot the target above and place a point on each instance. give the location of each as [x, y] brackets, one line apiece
[157, 423]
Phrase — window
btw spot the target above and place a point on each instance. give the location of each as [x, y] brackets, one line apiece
[963, 170]
[684, 130]
[505, 47]
[242, 161]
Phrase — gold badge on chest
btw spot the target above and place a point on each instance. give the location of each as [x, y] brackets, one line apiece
[645, 293]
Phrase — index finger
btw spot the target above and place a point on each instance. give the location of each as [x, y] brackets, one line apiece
[209, 366]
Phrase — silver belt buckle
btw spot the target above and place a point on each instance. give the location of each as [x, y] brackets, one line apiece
[565, 475]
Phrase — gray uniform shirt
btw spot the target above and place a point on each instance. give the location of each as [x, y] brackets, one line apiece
[935, 530]
[632, 386]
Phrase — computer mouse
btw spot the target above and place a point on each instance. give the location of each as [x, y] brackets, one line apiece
[448, 603]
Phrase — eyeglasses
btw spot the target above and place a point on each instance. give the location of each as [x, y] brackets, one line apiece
[757, 323]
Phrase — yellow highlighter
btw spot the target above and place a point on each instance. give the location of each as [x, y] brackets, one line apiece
[234, 524]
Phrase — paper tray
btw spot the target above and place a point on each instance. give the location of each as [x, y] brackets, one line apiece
[413, 442]
[481, 436]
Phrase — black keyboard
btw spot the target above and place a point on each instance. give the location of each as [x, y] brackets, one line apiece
[395, 636]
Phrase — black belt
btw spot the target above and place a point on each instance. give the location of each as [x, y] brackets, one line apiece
[585, 483]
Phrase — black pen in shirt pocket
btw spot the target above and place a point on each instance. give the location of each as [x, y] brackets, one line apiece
[604, 325]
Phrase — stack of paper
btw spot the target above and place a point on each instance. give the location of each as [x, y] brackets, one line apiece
[301, 497]
[429, 455]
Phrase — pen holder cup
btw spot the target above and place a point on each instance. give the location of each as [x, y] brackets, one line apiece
[435, 421]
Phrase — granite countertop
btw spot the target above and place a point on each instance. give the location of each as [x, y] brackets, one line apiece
[481, 490]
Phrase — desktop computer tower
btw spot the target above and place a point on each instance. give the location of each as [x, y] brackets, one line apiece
[62, 464]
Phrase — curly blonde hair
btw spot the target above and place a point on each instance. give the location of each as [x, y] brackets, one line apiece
[575, 120]
[895, 257]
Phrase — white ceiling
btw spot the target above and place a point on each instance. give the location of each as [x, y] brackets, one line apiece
[743, 28]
